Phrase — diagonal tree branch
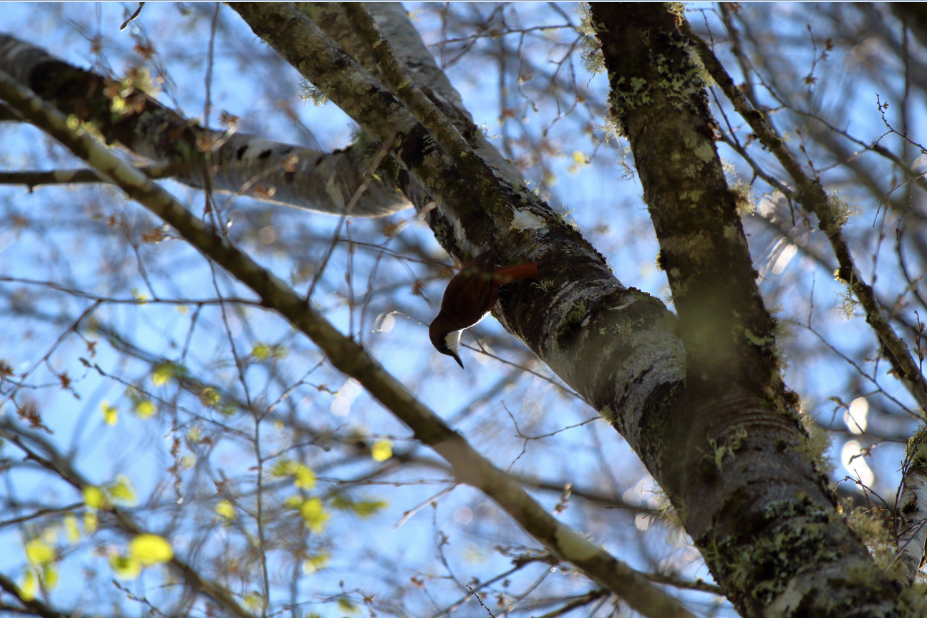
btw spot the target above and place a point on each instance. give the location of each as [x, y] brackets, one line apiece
[347, 356]
[236, 162]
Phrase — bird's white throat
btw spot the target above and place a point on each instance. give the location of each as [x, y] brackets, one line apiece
[452, 339]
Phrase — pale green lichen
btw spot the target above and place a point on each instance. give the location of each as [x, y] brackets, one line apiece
[839, 211]
[815, 445]
[572, 546]
[309, 92]
[667, 512]
[731, 446]
[872, 528]
[591, 52]
[744, 200]
[576, 314]
[544, 286]
[608, 413]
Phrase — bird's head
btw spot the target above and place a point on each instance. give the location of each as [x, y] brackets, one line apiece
[445, 340]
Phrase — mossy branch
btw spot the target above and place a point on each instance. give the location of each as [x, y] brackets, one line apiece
[812, 195]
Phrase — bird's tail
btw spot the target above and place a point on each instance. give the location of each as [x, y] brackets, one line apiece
[508, 274]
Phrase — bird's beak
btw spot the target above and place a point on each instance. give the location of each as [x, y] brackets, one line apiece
[457, 358]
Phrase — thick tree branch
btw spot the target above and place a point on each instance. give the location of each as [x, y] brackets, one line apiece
[830, 216]
[31, 606]
[728, 448]
[347, 356]
[237, 163]
[616, 347]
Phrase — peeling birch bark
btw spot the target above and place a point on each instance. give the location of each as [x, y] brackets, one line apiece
[238, 163]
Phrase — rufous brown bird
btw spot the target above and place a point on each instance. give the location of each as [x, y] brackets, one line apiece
[469, 296]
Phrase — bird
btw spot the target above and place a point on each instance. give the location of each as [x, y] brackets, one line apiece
[469, 296]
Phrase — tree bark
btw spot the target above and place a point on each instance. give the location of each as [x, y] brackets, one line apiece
[122, 112]
[727, 446]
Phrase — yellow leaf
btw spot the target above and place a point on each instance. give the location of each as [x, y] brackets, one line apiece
[195, 433]
[125, 567]
[71, 528]
[579, 158]
[305, 478]
[316, 563]
[38, 552]
[261, 352]
[139, 296]
[225, 509]
[382, 450]
[121, 490]
[293, 502]
[254, 600]
[90, 522]
[282, 467]
[29, 586]
[145, 409]
[209, 397]
[93, 497]
[50, 576]
[162, 374]
[110, 413]
[347, 607]
[368, 508]
[150, 549]
[314, 515]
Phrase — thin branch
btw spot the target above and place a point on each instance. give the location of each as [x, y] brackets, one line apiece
[348, 357]
[812, 195]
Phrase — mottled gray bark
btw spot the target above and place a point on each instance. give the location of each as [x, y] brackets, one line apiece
[912, 513]
[727, 446]
[237, 162]
[349, 357]
[615, 346]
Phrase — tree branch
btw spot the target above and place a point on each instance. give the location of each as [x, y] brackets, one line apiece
[347, 356]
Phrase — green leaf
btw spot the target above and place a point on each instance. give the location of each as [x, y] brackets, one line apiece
[254, 601]
[121, 490]
[368, 508]
[316, 563]
[361, 508]
[162, 374]
[261, 352]
[209, 397]
[124, 567]
[347, 607]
